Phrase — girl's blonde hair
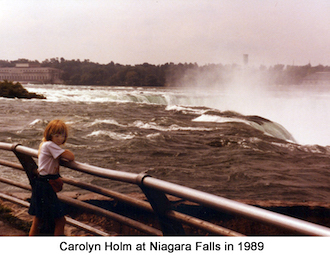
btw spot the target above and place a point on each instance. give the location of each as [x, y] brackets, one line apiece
[55, 127]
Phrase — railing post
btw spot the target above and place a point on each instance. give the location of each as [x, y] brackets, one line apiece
[28, 164]
[160, 205]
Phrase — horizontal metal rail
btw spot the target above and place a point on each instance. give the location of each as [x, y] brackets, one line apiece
[186, 219]
[183, 218]
[122, 219]
[216, 202]
[223, 204]
[200, 197]
[69, 220]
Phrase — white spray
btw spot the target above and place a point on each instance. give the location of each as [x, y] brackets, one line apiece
[303, 110]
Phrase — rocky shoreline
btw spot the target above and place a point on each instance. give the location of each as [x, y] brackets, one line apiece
[10, 89]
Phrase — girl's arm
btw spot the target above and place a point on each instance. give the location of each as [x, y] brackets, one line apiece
[67, 155]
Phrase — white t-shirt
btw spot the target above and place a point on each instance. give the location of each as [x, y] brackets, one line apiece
[48, 161]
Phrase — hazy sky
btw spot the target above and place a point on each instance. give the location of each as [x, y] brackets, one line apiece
[138, 31]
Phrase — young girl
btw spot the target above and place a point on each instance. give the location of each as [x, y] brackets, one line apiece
[45, 206]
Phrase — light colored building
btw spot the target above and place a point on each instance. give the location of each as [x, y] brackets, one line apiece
[30, 73]
[317, 78]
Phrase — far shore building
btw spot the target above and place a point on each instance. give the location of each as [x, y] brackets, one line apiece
[317, 78]
[31, 73]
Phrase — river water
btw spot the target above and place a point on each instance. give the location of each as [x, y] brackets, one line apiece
[260, 146]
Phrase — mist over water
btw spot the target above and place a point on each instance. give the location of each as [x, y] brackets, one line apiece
[304, 110]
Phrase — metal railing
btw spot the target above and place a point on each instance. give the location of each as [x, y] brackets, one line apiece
[156, 190]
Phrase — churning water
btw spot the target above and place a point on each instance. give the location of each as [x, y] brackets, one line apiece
[255, 144]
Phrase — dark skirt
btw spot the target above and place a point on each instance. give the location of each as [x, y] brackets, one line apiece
[44, 201]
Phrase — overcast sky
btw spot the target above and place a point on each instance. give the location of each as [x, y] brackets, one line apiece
[137, 31]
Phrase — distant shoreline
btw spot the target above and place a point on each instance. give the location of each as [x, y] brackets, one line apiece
[76, 72]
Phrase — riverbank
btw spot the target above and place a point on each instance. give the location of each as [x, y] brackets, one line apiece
[20, 221]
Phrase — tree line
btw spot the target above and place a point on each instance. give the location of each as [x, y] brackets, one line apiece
[77, 72]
